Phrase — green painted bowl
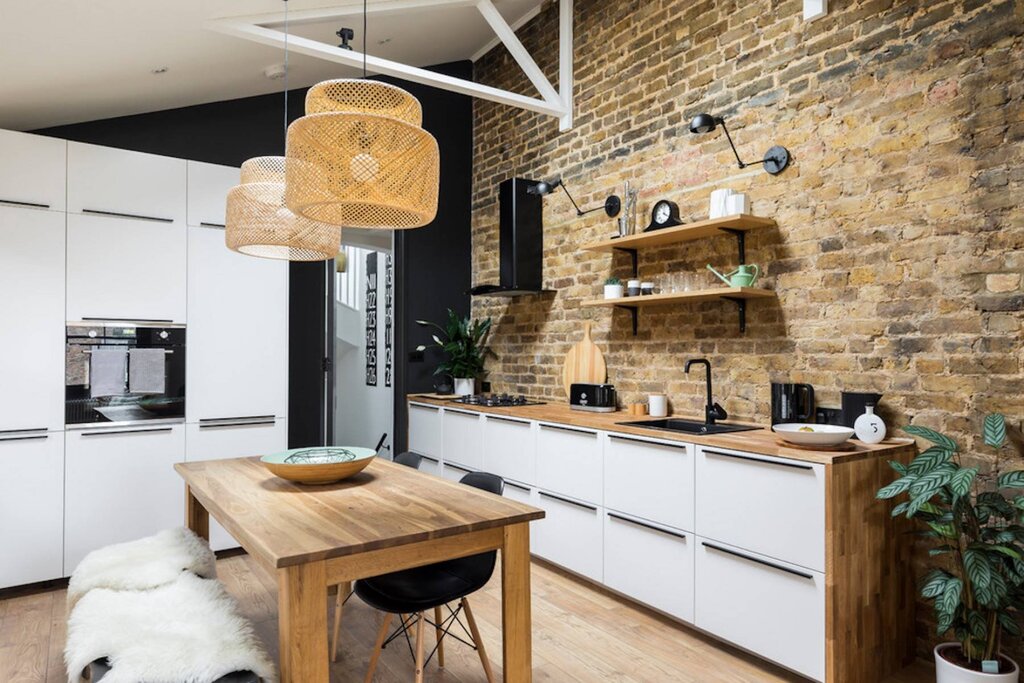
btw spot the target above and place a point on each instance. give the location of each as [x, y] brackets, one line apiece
[319, 465]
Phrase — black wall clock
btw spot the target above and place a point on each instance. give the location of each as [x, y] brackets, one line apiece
[665, 214]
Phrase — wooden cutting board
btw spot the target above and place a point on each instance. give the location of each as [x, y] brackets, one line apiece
[584, 363]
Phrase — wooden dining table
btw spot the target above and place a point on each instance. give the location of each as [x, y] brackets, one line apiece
[386, 518]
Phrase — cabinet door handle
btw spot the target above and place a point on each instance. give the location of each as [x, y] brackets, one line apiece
[118, 214]
[765, 462]
[569, 429]
[30, 205]
[36, 437]
[225, 425]
[204, 224]
[570, 502]
[239, 421]
[426, 406]
[458, 467]
[129, 431]
[634, 522]
[430, 459]
[495, 418]
[462, 412]
[680, 446]
[748, 558]
[128, 320]
[517, 486]
[18, 432]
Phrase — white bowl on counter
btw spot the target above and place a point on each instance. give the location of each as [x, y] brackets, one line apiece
[812, 434]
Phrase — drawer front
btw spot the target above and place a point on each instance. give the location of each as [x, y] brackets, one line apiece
[569, 462]
[425, 429]
[649, 564]
[774, 609]
[768, 505]
[570, 535]
[430, 464]
[509, 448]
[522, 493]
[462, 440]
[453, 472]
[650, 480]
[117, 181]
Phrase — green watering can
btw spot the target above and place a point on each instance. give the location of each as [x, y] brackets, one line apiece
[743, 276]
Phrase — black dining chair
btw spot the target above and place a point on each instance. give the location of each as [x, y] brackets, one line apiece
[409, 459]
[411, 593]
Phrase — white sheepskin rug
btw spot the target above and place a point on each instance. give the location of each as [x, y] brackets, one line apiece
[146, 563]
[188, 631]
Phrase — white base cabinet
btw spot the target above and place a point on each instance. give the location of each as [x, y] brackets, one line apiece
[120, 485]
[570, 535]
[569, 461]
[461, 438]
[425, 430]
[32, 508]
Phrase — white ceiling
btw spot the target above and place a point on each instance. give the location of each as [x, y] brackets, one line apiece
[66, 61]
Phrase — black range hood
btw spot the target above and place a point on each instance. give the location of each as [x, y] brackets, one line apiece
[520, 241]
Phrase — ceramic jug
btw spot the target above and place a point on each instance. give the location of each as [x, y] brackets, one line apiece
[743, 276]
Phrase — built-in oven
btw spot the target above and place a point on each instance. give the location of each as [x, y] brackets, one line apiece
[124, 372]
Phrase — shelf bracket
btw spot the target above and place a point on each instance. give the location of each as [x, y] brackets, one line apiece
[742, 305]
[633, 258]
[741, 240]
[634, 312]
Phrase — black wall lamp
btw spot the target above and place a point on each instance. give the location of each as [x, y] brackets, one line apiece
[775, 159]
[612, 205]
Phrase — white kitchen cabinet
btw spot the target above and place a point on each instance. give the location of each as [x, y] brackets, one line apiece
[523, 493]
[208, 186]
[118, 268]
[32, 311]
[509, 448]
[425, 429]
[649, 563]
[104, 180]
[569, 462]
[120, 485]
[233, 439]
[773, 608]
[32, 508]
[650, 479]
[237, 361]
[453, 472]
[570, 535]
[772, 506]
[33, 170]
[461, 438]
[430, 465]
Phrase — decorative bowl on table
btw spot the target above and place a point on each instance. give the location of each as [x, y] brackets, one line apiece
[812, 434]
[319, 465]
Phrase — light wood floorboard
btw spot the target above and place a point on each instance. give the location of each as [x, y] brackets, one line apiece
[581, 633]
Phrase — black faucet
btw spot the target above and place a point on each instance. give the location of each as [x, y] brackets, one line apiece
[712, 411]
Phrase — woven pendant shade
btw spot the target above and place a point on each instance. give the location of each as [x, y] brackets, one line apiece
[359, 158]
[259, 224]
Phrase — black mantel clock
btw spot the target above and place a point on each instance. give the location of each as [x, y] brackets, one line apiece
[665, 214]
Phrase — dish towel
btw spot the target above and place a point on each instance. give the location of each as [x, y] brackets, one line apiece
[107, 371]
[146, 371]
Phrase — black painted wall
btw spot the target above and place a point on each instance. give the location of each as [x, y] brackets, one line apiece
[432, 264]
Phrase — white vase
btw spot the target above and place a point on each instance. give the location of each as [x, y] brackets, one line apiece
[613, 291]
[464, 386]
[948, 672]
[869, 427]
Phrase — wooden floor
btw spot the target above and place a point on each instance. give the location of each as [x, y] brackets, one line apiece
[580, 634]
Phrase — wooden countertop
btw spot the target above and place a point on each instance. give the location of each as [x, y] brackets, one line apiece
[762, 441]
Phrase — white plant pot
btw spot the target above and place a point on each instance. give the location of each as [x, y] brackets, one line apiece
[465, 386]
[947, 672]
[613, 291]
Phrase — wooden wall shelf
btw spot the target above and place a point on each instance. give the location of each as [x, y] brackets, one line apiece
[735, 225]
[738, 295]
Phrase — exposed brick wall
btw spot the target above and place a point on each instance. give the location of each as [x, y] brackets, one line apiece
[900, 243]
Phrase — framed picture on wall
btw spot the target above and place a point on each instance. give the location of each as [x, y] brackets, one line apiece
[371, 319]
[388, 317]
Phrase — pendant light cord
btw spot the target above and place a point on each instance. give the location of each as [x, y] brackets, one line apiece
[285, 141]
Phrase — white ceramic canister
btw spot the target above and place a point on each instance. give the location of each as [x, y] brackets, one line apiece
[657, 405]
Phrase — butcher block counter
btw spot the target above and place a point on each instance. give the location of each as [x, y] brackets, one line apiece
[781, 551]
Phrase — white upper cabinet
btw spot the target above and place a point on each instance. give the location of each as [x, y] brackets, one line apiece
[208, 186]
[124, 269]
[103, 180]
[237, 362]
[32, 311]
[33, 170]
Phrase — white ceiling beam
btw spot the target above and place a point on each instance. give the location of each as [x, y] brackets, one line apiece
[519, 53]
[318, 14]
[815, 9]
[565, 65]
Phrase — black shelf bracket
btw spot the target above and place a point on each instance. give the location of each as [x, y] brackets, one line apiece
[742, 305]
[741, 240]
[633, 257]
[634, 313]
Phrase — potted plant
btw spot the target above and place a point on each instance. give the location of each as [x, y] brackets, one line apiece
[977, 585]
[613, 288]
[464, 341]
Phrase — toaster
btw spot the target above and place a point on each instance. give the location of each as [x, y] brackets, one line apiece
[597, 398]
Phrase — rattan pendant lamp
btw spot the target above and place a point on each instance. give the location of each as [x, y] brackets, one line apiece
[360, 157]
[258, 221]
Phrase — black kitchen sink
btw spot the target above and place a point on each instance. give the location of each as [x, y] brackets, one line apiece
[687, 426]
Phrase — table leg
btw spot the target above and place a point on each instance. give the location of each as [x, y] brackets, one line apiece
[517, 631]
[302, 620]
[196, 517]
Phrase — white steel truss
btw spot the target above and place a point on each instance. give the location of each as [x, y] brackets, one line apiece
[553, 102]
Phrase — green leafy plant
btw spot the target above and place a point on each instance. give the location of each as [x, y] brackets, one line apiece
[977, 587]
[464, 341]
[613, 281]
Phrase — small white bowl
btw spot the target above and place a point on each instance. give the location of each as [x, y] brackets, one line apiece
[821, 435]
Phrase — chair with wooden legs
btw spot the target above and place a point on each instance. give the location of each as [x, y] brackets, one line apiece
[413, 593]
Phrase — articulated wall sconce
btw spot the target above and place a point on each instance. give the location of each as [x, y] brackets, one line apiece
[775, 159]
[612, 205]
